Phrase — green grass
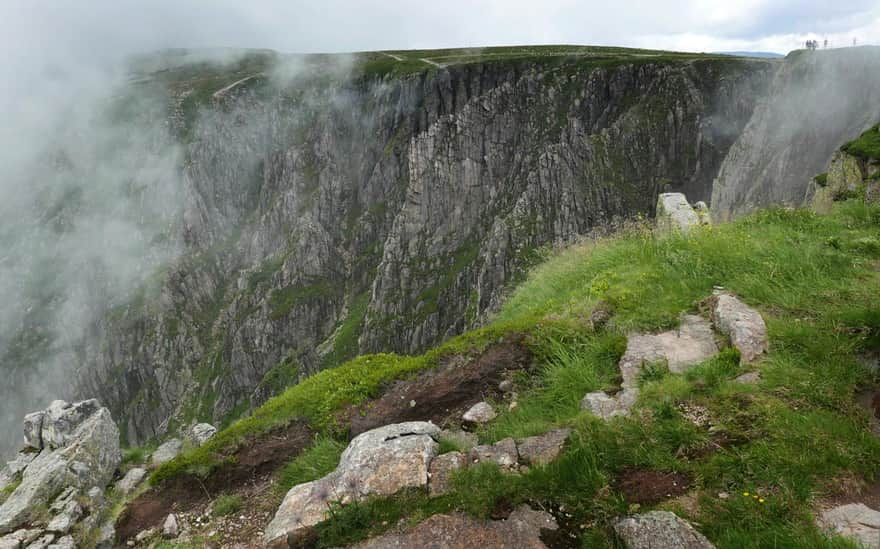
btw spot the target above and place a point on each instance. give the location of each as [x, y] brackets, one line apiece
[283, 300]
[821, 179]
[815, 280]
[227, 504]
[866, 146]
[316, 462]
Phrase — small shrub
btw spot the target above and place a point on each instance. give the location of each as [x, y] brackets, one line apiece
[821, 179]
[227, 504]
[134, 456]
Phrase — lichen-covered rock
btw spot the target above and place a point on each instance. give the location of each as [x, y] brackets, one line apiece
[743, 325]
[379, 462]
[845, 175]
[659, 530]
[170, 528]
[854, 520]
[479, 413]
[693, 342]
[201, 433]
[441, 470]
[66, 542]
[88, 457]
[542, 449]
[521, 530]
[674, 213]
[602, 405]
[33, 430]
[167, 451]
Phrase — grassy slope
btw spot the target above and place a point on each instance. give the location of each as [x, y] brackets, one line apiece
[789, 439]
[866, 146]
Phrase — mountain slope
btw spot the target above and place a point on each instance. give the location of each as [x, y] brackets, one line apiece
[378, 202]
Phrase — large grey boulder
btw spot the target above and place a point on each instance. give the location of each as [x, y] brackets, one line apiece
[659, 530]
[79, 452]
[674, 213]
[379, 462]
[167, 451]
[855, 521]
[743, 325]
[33, 430]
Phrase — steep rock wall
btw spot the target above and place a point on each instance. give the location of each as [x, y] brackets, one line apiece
[818, 100]
[389, 213]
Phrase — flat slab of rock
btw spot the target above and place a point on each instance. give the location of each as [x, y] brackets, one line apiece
[379, 462]
[521, 530]
[131, 480]
[855, 521]
[167, 451]
[481, 412]
[659, 530]
[542, 449]
[743, 325]
[441, 470]
[693, 342]
[605, 406]
[748, 379]
[503, 453]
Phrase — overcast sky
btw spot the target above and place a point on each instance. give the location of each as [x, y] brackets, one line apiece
[55, 29]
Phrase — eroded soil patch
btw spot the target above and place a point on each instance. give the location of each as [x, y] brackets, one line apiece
[442, 394]
[250, 468]
[647, 487]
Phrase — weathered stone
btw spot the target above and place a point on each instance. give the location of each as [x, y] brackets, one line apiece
[26, 536]
[542, 449]
[502, 452]
[845, 175]
[674, 213]
[43, 542]
[64, 543]
[749, 378]
[521, 530]
[170, 528]
[131, 480]
[201, 433]
[743, 325]
[64, 521]
[106, 536]
[693, 342]
[33, 430]
[441, 470]
[145, 535]
[856, 521]
[61, 419]
[20, 463]
[506, 386]
[88, 459]
[8, 542]
[601, 404]
[63, 499]
[659, 530]
[379, 462]
[167, 451]
[95, 499]
[481, 412]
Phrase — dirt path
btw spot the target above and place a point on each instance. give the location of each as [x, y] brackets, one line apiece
[434, 63]
[392, 56]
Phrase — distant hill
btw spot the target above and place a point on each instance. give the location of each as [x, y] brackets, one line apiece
[763, 54]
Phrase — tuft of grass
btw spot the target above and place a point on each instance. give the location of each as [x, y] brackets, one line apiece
[134, 456]
[227, 504]
[866, 146]
[316, 462]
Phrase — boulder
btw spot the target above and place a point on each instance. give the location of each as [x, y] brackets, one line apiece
[855, 521]
[200, 433]
[378, 462]
[480, 413]
[131, 480]
[66, 518]
[749, 378]
[43, 542]
[522, 530]
[88, 458]
[167, 451]
[693, 342]
[542, 449]
[502, 452]
[441, 470]
[20, 463]
[33, 429]
[674, 213]
[170, 528]
[743, 325]
[659, 530]
[64, 543]
[601, 404]
[106, 536]
[20, 538]
[61, 419]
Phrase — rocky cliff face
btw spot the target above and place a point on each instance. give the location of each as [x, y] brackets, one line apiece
[331, 216]
[817, 101]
